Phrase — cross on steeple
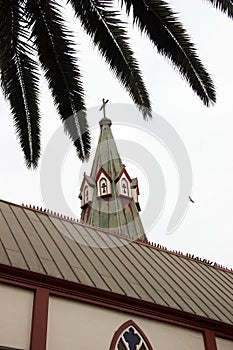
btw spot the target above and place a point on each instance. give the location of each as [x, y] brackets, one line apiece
[103, 186]
[103, 107]
[124, 187]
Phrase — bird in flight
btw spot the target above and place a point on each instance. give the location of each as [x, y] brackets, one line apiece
[191, 200]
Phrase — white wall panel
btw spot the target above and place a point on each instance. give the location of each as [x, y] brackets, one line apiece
[74, 325]
[16, 314]
[224, 344]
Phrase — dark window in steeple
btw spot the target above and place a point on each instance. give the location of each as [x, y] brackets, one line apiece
[103, 186]
[124, 187]
[86, 194]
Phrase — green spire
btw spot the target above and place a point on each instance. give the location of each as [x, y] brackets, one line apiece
[109, 197]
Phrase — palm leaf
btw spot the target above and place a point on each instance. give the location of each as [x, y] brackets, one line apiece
[57, 59]
[226, 6]
[102, 23]
[157, 20]
[19, 79]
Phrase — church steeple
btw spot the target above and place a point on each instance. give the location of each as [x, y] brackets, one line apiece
[109, 196]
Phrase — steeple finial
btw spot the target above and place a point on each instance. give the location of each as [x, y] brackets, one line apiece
[103, 107]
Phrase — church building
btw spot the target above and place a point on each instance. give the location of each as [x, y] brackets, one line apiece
[97, 283]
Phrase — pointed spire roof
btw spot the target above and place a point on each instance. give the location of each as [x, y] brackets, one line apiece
[107, 155]
[112, 204]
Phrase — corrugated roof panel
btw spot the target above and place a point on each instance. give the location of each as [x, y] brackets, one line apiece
[51, 268]
[219, 283]
[96, 256]
[229, 277]
[112, 263]
[95, 237]
[49, 263]
[109, 260]
[199, 293]
[130, 274]
[60, 251]
[142, 278]
[83, 276]
[79, 250]
[196, 277]
[184, 286]
[33, 236]
[6, 236]
[168, 282]
[30, 256]
[17, 259]
[3, 255]
[160, 293]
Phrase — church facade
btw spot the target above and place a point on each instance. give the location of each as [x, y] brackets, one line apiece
[98, 283]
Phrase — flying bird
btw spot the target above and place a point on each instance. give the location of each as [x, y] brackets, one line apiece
[191, 200]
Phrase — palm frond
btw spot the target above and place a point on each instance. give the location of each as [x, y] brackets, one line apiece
[158, 21]
[106, 29]
[19, 79]
[56, 55]
[225, 6]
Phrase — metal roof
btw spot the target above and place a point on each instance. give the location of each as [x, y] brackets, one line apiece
[51, 245]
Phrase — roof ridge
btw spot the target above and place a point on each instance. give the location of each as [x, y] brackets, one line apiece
[49, 212]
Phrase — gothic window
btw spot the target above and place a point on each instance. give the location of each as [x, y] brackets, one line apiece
[86, 194]
[103, 186]
[130, 337]
[124, 187]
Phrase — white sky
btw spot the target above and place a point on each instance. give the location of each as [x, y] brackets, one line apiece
[207, 229]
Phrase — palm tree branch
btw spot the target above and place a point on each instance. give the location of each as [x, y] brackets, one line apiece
[106, 29]
[158, 21]
[226, 6]
[56, 55]
[19, 79]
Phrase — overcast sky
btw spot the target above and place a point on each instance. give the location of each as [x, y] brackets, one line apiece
[207, 229]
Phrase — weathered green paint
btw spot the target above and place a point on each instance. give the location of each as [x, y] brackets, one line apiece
[114, 213]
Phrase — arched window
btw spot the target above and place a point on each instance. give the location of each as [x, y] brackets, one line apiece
[130, 337]
[124, 187]
[103, 186]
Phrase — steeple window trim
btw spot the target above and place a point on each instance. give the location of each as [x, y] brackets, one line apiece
[103, 181]
[125, 187]
[86, 191]
[123, 184]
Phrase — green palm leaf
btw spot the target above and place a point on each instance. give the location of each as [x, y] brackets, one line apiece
[157, 20]
[19, 79]
[102, 23]
[57, 59]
